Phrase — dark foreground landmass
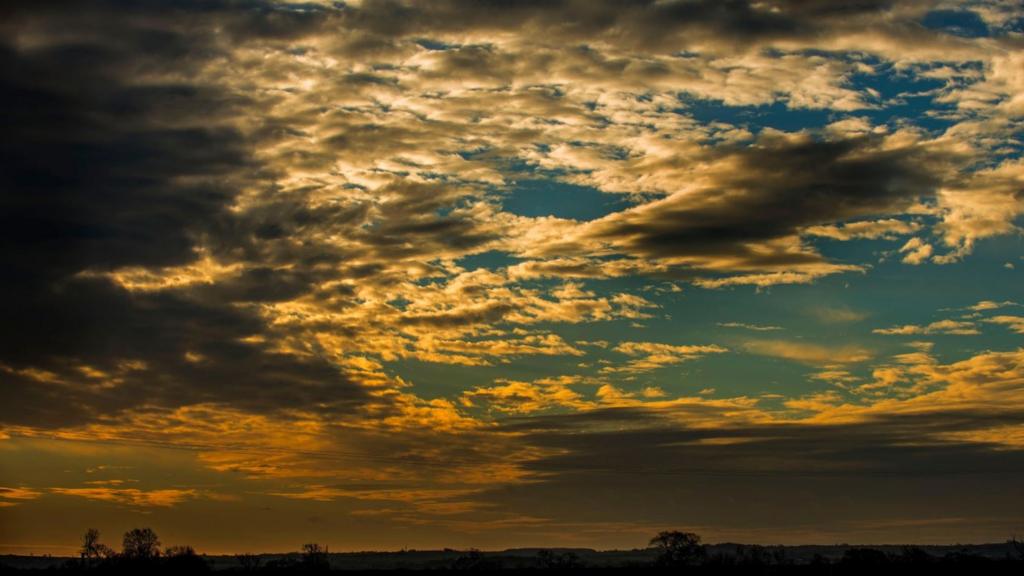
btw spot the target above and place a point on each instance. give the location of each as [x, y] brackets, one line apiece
[1006, 558]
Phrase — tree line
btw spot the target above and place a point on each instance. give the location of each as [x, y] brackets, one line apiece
[140, 548]
[670, 551]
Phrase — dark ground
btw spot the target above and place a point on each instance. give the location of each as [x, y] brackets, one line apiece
[718, 559]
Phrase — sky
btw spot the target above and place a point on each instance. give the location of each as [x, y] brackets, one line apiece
[394, 274]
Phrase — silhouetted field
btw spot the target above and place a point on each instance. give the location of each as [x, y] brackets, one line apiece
[670, 553]
[721, 559]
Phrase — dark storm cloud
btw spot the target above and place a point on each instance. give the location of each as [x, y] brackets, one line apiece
[150, 24]
[416, 219]
[644, 467]
[259, 284]
[654, 441]
[770, 191]
[116, 155]
[639, 23]
[91, 177]
[107, 163]
[404, 220]
[430, 235]
[160, 349]
[281, 230]
[373, 27]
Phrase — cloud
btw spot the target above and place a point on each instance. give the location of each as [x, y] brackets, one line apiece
[938, 327]
[982, 205]
[742, 208]
[916, 251]
[1014, 323]
[653, 355]
[13, 496]
[813, 354]
[431, 501]
[793, 461]
[745, 326]
[871, 229]
[991, 305]
[404, 441]
[970, 419]
[837, 377]
[837, 314]
[164, 498]
[470, 351]
[638, 26]
[140, 176]
[515, 397]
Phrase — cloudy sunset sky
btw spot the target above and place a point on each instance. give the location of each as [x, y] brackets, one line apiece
[384, 274]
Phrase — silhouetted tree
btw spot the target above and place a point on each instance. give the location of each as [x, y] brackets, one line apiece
[141, 544]
[677, 548]
[92, 549]
[184, 560]
[314, 557]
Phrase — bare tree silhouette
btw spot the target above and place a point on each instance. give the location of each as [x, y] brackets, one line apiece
[141, 544]
[173, 551]
[677, 548]
[184, 560]
[314, 557]
[92, 549]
